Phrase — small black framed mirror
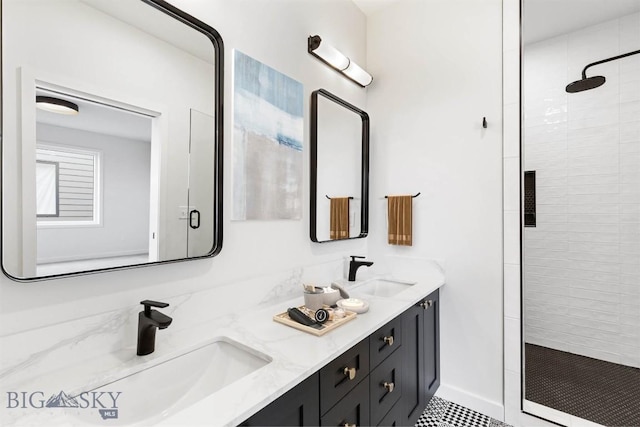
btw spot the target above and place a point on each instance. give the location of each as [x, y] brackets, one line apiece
[339, 169]
[112, 136]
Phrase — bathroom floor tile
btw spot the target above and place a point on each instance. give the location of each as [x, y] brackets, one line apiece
[599, 391]
[442, 413]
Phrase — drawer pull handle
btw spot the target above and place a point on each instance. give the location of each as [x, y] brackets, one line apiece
[349, 425]
[389, 386]
[349, 373]
[426, 304]
[388, 340]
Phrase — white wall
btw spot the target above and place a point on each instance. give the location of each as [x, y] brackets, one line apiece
[250, 249]
[124, 203]
[438, 72]
[582, 260]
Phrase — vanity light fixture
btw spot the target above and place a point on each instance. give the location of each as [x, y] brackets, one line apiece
[338, 61]
[56, 105]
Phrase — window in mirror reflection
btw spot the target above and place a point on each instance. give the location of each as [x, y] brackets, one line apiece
[67, 186]
[46, 189]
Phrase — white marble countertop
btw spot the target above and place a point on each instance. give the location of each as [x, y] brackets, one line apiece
[294, 354]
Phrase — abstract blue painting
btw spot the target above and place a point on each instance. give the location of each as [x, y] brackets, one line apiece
[267, 142]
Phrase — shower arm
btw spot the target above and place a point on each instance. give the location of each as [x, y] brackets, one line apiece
[624, 55]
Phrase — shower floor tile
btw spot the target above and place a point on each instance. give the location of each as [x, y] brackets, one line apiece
[603, 392]
[443, 413]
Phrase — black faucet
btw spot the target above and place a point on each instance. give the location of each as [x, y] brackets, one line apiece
[355, 265]
[148, 321]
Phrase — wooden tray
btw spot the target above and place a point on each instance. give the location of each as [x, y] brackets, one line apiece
[328, 326]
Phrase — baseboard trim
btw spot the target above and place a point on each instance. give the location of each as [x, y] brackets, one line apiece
[471, 401]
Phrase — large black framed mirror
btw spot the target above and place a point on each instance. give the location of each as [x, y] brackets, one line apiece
[339, 169]
[112, 136]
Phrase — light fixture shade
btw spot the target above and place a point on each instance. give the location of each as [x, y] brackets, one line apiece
[56, 105]
[358, 74]
[327, 53]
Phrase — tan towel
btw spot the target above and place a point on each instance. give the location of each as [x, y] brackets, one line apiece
[339, 226]
[400, 218]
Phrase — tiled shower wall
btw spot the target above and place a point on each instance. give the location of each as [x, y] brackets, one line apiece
[582, 260]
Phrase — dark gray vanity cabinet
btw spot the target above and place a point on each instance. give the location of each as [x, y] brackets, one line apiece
[300, 406]
[421, 356]
[387, 379]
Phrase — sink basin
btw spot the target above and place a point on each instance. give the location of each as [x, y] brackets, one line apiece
[383, 287]
[149, 395]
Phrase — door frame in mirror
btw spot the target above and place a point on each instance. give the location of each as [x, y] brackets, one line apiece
[364, 177]
[218, 100]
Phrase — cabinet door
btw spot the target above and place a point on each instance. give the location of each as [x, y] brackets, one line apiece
[394, 418]
[385, 386]
[414, 391]
[342, 374]
[352, 410]
[385, 341]
[432, 344]
[298, 407]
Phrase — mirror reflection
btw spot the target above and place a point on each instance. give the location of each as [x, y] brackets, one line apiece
[339, 169]
[109, 136]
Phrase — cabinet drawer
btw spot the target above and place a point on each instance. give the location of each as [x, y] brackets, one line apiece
[343, 374]
[385, 386]
[393, 417]
[353, 410]
[385, 341]
[298, 407]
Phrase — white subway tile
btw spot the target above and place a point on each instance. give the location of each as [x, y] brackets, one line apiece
[600, 316]
[512, 238]
[512, 291]
[595, 295]
[629, 32]
[593, 248]
[511, 184]
[595, 237]
[581, 255]
[511, 128]
[589, 226]
[598, 276]
[596, 353]
[512, 344]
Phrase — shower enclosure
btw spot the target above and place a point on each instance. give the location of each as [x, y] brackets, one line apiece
[581, 211]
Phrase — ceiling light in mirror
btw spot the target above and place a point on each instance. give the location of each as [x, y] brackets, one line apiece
[56, 105]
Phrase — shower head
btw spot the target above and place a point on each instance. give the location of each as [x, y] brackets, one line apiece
[586, 84]
[593, 82]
